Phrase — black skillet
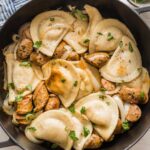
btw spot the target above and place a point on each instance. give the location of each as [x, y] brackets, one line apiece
[108, 8]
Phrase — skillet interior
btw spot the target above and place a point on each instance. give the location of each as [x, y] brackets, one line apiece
[108, 8]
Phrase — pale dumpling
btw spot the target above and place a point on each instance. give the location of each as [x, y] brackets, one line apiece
[49, 28]
[51, 126]
[94, 18]
[102, 111]
[64, 80]
[125, 64]
[107, 35]
[73, 37]
[81, 123]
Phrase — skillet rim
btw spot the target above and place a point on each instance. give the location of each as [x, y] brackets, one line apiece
[134, 11]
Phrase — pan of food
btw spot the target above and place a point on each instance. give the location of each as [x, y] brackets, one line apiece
[75, 75]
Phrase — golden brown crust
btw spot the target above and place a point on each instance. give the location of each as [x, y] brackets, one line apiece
[132, 95]
[40, 97]
[95, 141]
[38, 58]
[25, 49]
[73, 56]
[109, 86]
[25, 106]
[97, 59]
[118, 129]
[53, 102]
[134, 113]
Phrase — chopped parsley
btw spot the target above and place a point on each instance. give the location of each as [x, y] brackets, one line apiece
[126, 125]
[29, 87]
[86, 131]
[18, 98]
[108, 103]
[142, 96]
[30, 116]
[79, 14]
[139, 69]
[72, 108]
[75, 83]
[11, 85]
[109, 37]
[86, 41]
[37, 44]
[32, 128]
[102, 97]
[130, 47]
[63, 80]
[121, 44]
[129, 61]
[103, 90]
[52, 19]
[54, 146]
[72, 135]
[99, 33]
[25, 64]
[83, 110]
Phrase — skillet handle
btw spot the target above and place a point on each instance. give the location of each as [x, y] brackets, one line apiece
[143, 9]
[6, 143]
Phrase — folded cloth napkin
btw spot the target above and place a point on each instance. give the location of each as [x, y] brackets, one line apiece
[8, 7]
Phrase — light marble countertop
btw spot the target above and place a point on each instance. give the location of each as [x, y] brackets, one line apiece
[143, 144]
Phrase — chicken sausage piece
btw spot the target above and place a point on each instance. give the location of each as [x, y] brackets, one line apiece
[53, 102]
[25, 105]
[95, 141]
[97, 59]
[134, 113]
[40, 97]
[109, 86]
[25, 49]
[132, 95]
[38, 58]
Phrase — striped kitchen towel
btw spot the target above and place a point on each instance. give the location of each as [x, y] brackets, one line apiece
[8, 7]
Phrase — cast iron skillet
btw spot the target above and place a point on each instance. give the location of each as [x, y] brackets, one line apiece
[108, 8]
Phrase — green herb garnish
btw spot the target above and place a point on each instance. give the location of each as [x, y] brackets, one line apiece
[142, 96]
[63, 80]
[54, 146]
[126, 125]
[72, 108]
[32, 128]
[109, 37]
[86, 41]
[79, 14]
[72, 135]
[108, 103]
[18, 98]
[37, 44]
[29, 87]
[11, 85]
[86, 131]
[103, 89]
[51, 19]
[75, 83]
[25, 64]
[83, 110]
[130, 47]
[30, 116]
[102, 97]
[121, 44]
[99, 33]
[139, 69]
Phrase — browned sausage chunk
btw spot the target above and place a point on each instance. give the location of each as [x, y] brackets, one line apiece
[38, 58]
[73, 56]
[118, 129]
[60, 50]
[109, 86]
[97, 59]
[134, 113]
[95, 141]
[25, 105]
[132, 95]
[25, 49]
[53, 102]
[40, 97]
